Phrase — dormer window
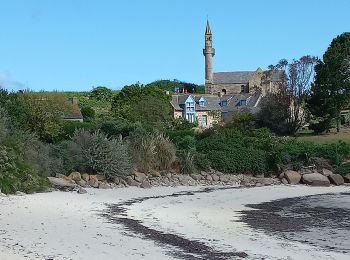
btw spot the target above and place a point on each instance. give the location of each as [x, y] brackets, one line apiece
[202, 102]
[224, 103]
[190, 106]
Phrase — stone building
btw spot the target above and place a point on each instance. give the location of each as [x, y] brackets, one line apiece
[236, 82]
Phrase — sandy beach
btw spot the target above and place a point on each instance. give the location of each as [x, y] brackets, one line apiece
[60, 225]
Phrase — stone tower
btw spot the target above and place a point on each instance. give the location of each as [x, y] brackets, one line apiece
[208, 53]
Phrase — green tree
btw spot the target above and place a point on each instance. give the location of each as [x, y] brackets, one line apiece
[146, 104]
[331, 91]
[101, 93]
[44, 113]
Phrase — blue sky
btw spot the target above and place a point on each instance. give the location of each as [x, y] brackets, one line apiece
[76, 44]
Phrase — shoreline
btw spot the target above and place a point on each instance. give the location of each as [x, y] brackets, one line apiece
[67, 225]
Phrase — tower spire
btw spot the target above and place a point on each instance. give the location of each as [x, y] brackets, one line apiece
[208, 53]
[207, 29]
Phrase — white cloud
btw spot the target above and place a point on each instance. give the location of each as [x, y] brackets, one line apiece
[8, 83]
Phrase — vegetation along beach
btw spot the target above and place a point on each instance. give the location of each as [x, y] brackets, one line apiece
[178, 130]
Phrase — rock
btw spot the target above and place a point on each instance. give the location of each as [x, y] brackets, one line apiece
[281, 176]
[116, 180]
[75, 176]
[61, 183]
[81, 191]
[93, 181]
[155, 174]
[100, 177]
[215, 177]
[145, 184]
[224, 178]
[284, 181]
[81, 183]
[140, 176]
[64, 177]
[315, 179]
[103, 185]
[131, 182]
[326, 172]
[203, 173]
[196, 177]
[347, 178]
[292, 177]
[209, 178]
[20, 193]
[336, 179]
[85, 177]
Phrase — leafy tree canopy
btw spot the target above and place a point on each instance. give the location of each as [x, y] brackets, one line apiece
[146, 104]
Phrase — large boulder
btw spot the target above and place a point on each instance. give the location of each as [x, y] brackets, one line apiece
[315, 179]
[75, 176]
[145, 184]
[81, 183]
[93, 181]
[336, 179]
[85, 177]
[139, 176]
[326, 172]
[215, 177]
[61, 183]
[131, 182]
[104, 185]
[347, 178]
[100, 177]
[292, 177]
[196, 177]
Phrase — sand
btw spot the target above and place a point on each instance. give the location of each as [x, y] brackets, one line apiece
[61, 225]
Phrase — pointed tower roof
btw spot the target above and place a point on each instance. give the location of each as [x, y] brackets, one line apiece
[207, 29]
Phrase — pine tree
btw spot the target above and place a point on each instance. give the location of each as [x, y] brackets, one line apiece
[330, 92]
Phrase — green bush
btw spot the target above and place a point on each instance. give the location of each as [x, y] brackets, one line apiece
[88, 113]
[343, 169]
[152, 151]
[186, 161]
[96, 153]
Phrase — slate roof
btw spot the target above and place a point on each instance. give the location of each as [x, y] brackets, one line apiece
[242, 77]
[214, 102]
[232, 77]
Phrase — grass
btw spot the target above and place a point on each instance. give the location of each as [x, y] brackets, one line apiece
[331, 137]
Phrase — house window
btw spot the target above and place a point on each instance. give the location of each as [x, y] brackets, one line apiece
[243, 102]
[190, 117]
[224, 103]
[190, 106]
[224, 116]
[242, 89]
[204, 120]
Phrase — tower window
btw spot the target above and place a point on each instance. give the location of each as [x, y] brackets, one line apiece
[223, 91]
[242, 89]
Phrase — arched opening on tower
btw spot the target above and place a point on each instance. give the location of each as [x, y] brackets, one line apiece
[223, 91]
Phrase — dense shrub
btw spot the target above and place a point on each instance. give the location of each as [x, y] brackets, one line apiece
[152, 151]
[96, 153]
[343, 169]
[186, 161]
[321, 125]
[88, 113]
